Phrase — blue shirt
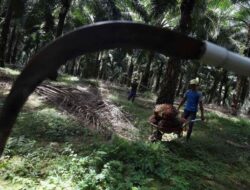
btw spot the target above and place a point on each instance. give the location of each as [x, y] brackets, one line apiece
[192, 100]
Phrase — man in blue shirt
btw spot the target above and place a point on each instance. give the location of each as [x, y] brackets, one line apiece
[193, 98]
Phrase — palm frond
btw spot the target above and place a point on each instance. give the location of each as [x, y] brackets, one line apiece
[243, 15]
[114, 10]
[222, 4]
[159, 7]
[139, 9]
[98, 10]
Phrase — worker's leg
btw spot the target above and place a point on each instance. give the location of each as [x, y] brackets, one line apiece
[186, 114]
[133, 97]
[191, 124]
[130, 95]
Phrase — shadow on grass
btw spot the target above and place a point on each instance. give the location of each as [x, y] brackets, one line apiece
[57, 152]
[216, 164]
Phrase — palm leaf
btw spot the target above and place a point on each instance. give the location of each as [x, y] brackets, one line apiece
[139, 9]
[221, 4]
[243, 15]
[159, 7]
[114, 10]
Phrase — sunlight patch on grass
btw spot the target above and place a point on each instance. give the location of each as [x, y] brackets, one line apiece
[149, 95]
[234, 119]
[83, 89]
[9, 71]
[71, 78]
[113, 97]
[34, 101]
[51, 112]
[5, 185]
[54, 182]
[48, 124]
[64, 79]
[92, 82]
[4, 90]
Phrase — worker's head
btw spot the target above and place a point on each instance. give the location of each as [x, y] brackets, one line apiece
[194, 83]
[135, 79]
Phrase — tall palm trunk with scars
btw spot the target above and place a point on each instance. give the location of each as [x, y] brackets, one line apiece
[170, 81]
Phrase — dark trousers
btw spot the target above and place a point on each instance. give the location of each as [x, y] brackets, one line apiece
[190, 115]
[132, 95]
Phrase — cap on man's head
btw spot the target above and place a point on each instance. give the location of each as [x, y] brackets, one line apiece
[194, 81]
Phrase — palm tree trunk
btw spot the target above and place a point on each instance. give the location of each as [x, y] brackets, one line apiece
[15, 49]
[146, 74]
[130, 71]
[242, 88]
[78, 68]
[246, 88]
[92, 66]
[180, 84]
[212, 91]
[10, 46]
[59, 30]
[73, 64]
[67, 67]
[168, 86]
[170, 82]
[62, 16]
[5, 33]
[223, 83]
[225, 96]
[103, 70]
[246, 105]
[244, 91]
[158, 77]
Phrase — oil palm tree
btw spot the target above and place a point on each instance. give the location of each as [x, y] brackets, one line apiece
[5, 32]
[242, 20]
[170, 81]
[14, 9]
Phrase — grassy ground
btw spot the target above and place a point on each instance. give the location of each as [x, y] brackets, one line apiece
[50, 150]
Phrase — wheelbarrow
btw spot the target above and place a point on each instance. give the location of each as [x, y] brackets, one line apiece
[178, 129]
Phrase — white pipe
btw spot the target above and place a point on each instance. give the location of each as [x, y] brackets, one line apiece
[219, 56]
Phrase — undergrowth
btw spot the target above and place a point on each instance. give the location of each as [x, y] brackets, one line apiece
[50, 150]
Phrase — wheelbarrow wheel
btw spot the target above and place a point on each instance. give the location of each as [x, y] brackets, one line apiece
[180, 134]
[156, 136]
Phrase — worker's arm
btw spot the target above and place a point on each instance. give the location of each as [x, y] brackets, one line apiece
[182, 102]
[202, 111]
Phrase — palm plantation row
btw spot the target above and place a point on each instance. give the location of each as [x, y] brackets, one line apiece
[28, 25]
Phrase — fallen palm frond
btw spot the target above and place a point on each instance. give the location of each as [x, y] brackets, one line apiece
[88, 106]
[86, 103]
[246, 146]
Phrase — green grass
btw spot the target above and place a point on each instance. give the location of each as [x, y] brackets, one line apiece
[137, 113]
[50, 150]
[208, 161]
[64, 79]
